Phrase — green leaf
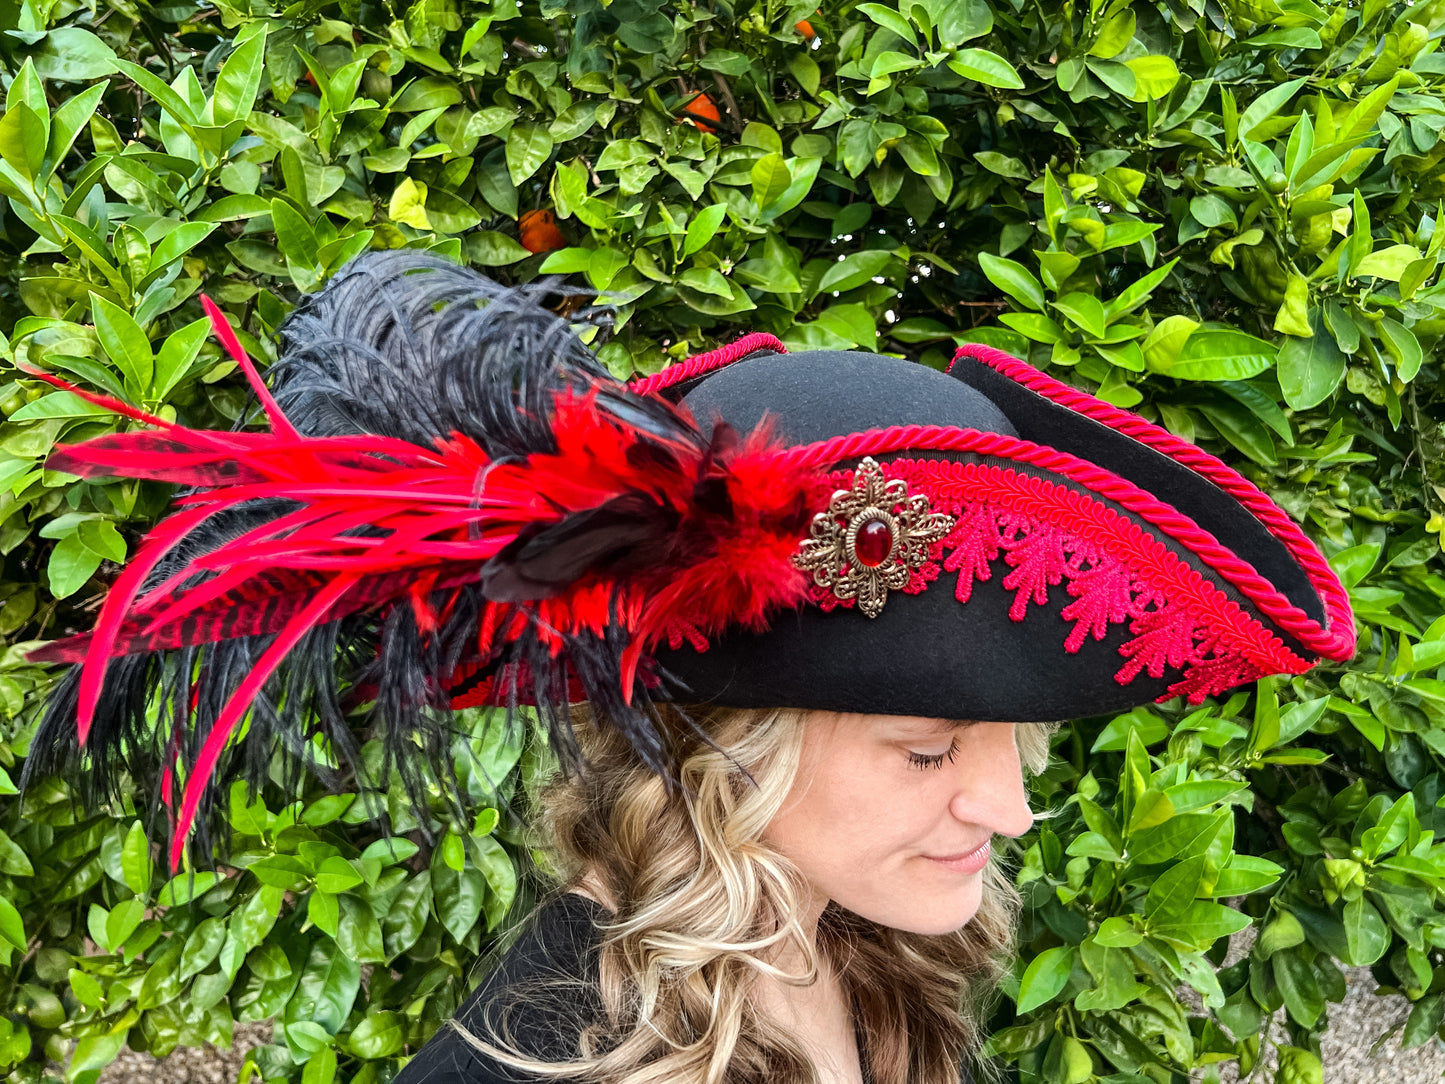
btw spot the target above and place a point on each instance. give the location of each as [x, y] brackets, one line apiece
[703, 228]
[889, 18]
[408, 204]
[136, 860]
[770, 179]
[23, 138]
[1173, 891]
[406, 918]
[854, 270]
[1013, 278]
[1085, 310]
[1179, 833]
[1267, 106]
[323, 912]
[176, 355]
[1045, 977]
[179, 241]
[320, 1066]
[12, 928]
[337, 875]
[358, 934]
[124, 917]
[1386, 263]
[1154, 77]
[328, 988]
[202, 946]
[73, 115]
[184, 887]
[93, 1053]
[70, 567]
[240, 78]
[165, 96]
[1293, 315]
[1310, 369]
[528, 148]
[986, 67]
[1117, 932]
[13, 860]
[1404, 347]
[1353, 564]
[1216, 354]
[380, 1035]
[492, 249]
[124, 343]
[1365, 932]
[1201, 924]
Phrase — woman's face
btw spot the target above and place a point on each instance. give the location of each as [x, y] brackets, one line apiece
[891, 816]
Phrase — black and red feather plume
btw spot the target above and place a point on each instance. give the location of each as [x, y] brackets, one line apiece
[451, 490]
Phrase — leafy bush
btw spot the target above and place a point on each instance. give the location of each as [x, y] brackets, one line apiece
[1220, 212]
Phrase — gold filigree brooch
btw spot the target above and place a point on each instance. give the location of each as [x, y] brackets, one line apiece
[870, 538]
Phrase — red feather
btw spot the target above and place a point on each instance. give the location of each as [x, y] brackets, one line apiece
[722, 521]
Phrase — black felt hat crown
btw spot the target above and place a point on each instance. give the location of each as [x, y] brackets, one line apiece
[456, 505]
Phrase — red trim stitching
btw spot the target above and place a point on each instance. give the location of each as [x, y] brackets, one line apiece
[1114, 570]
[1337, 641]
[706, 363]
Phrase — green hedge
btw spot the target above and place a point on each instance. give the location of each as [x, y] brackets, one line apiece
[1222, 213]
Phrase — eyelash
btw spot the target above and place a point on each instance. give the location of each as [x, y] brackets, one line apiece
[924, 760]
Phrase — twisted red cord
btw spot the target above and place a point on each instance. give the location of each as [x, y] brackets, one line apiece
[1336, 642]
[1339, 642]
[706, 363]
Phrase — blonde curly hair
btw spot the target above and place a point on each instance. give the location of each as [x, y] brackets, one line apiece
[701, 903]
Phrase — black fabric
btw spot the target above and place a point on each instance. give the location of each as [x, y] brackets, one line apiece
[561, 943]
[818, 394]
[927, 654]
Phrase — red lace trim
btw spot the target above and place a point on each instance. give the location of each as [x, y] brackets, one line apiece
[1050, 534]
[1334, 640]
[706, 363]
[1238, 572]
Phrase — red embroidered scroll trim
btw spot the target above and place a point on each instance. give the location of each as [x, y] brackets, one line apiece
[706, 363]
[1336, 640]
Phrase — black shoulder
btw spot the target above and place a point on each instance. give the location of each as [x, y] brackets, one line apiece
[539, 996]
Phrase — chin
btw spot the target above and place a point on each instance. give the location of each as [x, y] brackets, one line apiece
[926, 910]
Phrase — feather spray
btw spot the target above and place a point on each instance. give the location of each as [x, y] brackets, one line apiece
[452, 496]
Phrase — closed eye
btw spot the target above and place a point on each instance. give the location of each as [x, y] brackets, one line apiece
[934, 760]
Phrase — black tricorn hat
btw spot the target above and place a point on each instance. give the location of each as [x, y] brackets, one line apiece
[455, 504]
[1065, 558]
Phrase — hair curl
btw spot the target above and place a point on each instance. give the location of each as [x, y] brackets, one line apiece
[702, 903]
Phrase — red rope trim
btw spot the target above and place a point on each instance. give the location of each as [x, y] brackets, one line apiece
[1337, 644]
[1337, 641]
[706, 363]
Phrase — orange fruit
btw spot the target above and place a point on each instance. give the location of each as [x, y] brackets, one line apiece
[539, 231]
[701, 112]
[806, 29]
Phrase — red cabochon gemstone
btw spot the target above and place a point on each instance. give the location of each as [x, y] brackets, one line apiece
[874, 543]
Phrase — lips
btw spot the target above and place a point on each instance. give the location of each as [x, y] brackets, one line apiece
[965, 861]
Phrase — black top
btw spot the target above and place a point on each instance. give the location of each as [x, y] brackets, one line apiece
[560, 944]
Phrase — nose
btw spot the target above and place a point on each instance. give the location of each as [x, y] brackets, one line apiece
[991, 790]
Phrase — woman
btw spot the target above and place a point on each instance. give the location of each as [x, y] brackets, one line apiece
[804, 599]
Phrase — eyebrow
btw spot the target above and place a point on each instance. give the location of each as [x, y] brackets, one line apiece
[943, 726]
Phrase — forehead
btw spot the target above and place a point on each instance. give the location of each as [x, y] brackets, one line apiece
[915, 724]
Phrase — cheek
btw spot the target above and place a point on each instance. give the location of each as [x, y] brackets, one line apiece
[853, 828]
[858, 834]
